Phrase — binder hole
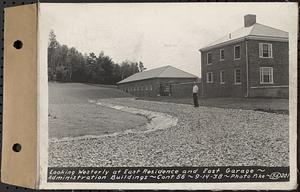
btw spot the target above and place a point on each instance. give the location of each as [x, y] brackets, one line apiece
[16, 147]
[18, 44]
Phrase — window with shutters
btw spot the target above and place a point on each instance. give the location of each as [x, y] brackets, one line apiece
[265, 50]
[266, 75]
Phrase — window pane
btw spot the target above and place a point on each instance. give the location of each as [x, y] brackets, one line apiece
[209, 58]
[222, 76]
[266, 74]
[265, 50]
[222, 54]
[237, 75]
[237, 52]
[209, 77]
[266, 79]
[265, 47]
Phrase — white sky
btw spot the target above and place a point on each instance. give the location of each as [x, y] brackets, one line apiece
[157, 34]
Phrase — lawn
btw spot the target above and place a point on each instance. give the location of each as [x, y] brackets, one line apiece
[280, 106]
[71, 114]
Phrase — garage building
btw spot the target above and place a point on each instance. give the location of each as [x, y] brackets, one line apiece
[157, 82]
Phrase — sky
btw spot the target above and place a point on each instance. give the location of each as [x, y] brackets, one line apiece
[157, 34]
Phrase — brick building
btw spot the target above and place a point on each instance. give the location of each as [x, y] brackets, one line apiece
[250, 62]
[158, 82]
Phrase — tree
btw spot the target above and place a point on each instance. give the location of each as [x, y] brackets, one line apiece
[91, 66]
[107, 66]
[53, 47]
[69, 65]
[141, 66]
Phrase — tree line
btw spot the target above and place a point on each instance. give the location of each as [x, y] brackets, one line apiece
[69, 65]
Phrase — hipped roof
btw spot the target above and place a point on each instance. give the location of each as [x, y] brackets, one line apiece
[255, 31]
[161, 72]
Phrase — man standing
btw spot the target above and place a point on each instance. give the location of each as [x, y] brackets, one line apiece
[195, 95]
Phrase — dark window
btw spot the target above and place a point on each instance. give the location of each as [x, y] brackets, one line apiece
[237, 52]
[209, 77]
[266, 75]
[209, 58]
[237, 76]
[265, 50]
[222, 55]
[222, 73]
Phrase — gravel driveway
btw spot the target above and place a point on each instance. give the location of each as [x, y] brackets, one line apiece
[204, 136]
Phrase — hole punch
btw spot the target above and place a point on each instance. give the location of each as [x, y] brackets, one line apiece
[18, 44]
[16, 147]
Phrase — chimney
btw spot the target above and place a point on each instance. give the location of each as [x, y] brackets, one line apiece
[249, 20]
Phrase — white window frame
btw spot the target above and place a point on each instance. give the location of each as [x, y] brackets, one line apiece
[237, 83]
[262, 78]
[207, 58]
[212, 77]
[270, 50]
[221, 54]
[235, 53]
[222, 80]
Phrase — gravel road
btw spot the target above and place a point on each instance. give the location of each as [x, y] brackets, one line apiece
[204, 136]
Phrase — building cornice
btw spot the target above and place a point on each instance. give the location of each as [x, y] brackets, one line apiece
[249, 37]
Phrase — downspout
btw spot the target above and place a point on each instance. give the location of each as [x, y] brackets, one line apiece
[201, 70]
[247, 70]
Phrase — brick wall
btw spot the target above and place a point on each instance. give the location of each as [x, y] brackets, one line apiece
[184, 89]
[279, 62]
[140, 86]
[228, 65]
[273, 92]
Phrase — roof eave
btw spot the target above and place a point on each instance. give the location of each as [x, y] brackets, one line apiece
[156, 78]
[222, 44]
[252, 37]
[135, 80]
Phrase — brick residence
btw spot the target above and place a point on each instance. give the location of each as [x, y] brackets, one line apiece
[250, 62]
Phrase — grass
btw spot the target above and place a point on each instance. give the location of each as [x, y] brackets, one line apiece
[279, 106]
[71, 115]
